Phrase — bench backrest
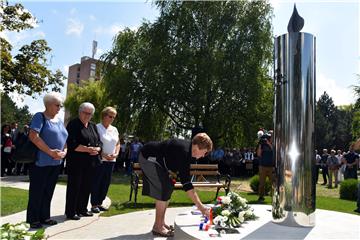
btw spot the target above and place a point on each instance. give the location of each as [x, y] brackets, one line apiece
[195, 169]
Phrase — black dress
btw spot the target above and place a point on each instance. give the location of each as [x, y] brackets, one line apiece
[80, 166]
[157, 159]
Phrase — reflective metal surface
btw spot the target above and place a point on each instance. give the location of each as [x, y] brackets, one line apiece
[294, 139]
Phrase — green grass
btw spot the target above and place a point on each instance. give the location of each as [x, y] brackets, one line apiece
[13, 200]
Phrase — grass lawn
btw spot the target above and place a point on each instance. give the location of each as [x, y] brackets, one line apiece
[15, 200]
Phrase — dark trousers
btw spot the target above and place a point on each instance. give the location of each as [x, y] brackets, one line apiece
[350, 173]
[325, 173]
[101, 182]
[41, 190]
[80, 176]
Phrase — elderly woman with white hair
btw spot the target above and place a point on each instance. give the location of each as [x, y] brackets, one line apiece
[83, 156]
[49, 135]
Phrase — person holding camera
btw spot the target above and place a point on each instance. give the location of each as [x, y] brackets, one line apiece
[266, 163]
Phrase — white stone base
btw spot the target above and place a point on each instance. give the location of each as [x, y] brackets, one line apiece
[328, 225]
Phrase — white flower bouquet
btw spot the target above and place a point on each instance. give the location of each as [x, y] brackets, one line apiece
[231, 211]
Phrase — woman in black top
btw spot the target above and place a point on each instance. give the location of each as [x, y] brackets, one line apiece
[158, 160]
[84, 147]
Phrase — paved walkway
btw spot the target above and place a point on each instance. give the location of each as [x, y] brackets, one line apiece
[135, 225]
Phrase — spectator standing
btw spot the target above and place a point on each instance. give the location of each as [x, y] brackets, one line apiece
[109, 136]
[6, 148]
[22, 138]
[122, 154]
[52, 149]
[341, 171]
[317, 165]
[135, 147]
[266, 164]
[333, 164]
[84, 148]
[351, 160]
[324, 167]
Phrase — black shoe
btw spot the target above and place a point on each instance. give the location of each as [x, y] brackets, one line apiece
[95, 209]
[49, 222]
[86, 214]
[101, 208]
[36, 225]
[261, 199]
[357, 210]
[75, 217]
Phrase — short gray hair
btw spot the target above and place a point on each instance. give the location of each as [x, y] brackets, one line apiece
[53, 97]
[88, 106]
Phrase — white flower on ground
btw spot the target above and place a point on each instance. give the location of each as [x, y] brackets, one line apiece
[226, 200]
[241, 216]
[21, 227]
[225, 212]
[243, 201]
[248, 212]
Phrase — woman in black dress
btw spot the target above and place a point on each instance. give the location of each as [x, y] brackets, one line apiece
[158, 160]
[84, 147]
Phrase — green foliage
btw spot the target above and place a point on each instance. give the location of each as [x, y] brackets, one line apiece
[20, 231]
[13, 200]
[11, 113]
[348, 189]
[324, 122]
[254, 184]
[87, 91]
[356, 116]
[199, 63]
[27, 72]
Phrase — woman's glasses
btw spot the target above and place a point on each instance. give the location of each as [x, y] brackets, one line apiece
[87, 113]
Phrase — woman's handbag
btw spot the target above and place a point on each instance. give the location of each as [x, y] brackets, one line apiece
[26, 151]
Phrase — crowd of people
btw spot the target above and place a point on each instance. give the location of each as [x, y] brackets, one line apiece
[336, 165]
[94, 151]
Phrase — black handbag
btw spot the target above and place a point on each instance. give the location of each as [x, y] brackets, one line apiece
[26, 151]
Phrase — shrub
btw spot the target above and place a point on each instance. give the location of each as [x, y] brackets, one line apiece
[348, 189]
[254, 184]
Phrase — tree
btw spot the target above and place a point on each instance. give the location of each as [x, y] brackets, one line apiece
[88, 91]
[343, 134]
[27, 72]
[200, 64]
[325, 122]
[11, 113]
[356, 116]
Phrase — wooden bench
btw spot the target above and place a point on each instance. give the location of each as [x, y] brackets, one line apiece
[198, 171]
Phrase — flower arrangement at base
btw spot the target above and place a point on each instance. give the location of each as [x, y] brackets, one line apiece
[231, 211]
[20, 231]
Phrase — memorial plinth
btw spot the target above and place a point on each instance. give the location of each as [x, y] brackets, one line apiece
[329, 225]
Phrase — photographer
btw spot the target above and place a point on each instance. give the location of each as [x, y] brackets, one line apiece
[266, 164]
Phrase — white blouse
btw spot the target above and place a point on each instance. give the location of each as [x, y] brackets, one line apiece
[109, 137]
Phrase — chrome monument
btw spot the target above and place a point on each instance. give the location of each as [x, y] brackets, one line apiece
[294, 119]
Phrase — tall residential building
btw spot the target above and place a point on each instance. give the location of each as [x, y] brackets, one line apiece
[83, 71]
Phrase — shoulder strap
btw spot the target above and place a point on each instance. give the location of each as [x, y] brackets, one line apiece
[44, 121]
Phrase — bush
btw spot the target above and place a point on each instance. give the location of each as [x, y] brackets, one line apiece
[348, 189]
[254, 184]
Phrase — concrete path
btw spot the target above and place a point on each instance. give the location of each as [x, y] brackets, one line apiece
[135, 225]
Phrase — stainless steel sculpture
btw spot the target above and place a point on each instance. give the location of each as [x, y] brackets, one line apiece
[294, 119]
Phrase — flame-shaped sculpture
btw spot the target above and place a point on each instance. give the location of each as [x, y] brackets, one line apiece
[296, 22]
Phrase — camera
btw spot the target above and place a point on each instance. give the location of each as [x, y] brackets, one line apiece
[263, 135]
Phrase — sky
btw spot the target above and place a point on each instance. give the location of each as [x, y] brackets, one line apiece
[69, 27]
